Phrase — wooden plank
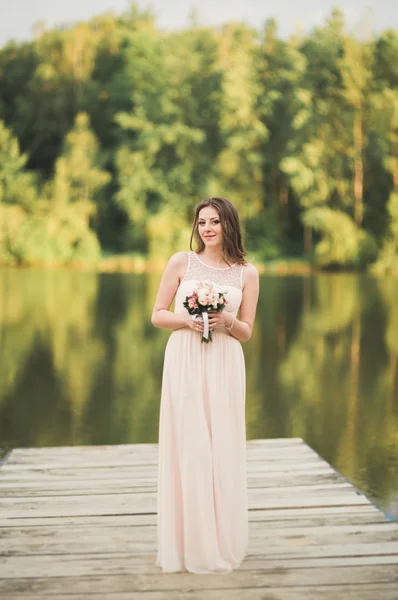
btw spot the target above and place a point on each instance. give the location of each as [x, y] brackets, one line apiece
[268, 576]
[139, 539]
[319, 490]
[122, 450]
[147, 461]
[93, 484]
[381, 591]
[101, 448]
[105, 474]
[85, 489]
[96, 452]
[104, 563]
[256, 494]
[138, 530]
[30, 456]
[81, 518]
[144, 503]
[290, 516]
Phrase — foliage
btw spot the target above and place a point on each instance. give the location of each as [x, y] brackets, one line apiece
[112, 130]
[55, 226]
[343, 243]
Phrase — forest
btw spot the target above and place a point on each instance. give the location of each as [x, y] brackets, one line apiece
[112, 130]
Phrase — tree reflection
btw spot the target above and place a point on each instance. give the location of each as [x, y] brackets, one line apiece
[81, 363]
[339, 378]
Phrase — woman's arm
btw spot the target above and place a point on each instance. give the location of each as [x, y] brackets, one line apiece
[161, 314]
[242, 327]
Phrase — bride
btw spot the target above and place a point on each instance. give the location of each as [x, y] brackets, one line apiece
[202, 490]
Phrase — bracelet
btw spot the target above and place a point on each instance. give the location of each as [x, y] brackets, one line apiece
[232, 324]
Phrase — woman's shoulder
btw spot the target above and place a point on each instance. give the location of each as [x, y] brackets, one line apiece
[250, 272]
[179, 258]
[178, 262]
[250, 268]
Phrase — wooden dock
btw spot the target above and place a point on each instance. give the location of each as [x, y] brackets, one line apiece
[79, 523]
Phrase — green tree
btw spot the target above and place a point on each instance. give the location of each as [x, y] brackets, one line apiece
[166, 151]
[298, 133]
[356, 73]
[75, 192]
[238, 167]
[281, 108]
[326, 158]
[18, 194]
[79, 178]
[342, 243]
[387, 103]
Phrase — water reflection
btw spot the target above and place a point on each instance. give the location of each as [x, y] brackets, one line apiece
[81, 363]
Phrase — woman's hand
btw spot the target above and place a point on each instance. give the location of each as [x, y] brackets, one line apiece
[218, 319]
[195, 325]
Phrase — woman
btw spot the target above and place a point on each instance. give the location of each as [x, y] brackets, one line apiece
[202, 493]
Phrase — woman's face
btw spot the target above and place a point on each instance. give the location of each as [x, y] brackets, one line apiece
[209, 226]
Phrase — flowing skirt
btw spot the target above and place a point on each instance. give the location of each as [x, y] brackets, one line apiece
[202, 488]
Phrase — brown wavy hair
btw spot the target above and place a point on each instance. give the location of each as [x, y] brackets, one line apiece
[232, 245]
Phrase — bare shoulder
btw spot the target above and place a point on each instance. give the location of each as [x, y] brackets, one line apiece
[250, 273]
[178, 263]
[179, 259]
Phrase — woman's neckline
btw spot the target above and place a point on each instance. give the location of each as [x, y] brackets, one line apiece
[209, 266]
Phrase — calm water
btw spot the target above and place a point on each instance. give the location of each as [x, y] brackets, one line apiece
[81, 363]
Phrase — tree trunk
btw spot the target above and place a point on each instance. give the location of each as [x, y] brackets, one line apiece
[307, 240]
[358, 170]
[393, 381]
[282, 212]
[284, 196]
[307, 295]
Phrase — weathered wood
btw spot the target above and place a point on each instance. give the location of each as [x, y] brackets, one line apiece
[103, 474]
[317, 516]
[145, 448]
[128, 562]
[143, 539]
[94, 485]
[142, 503]
[265, 463]
[98, 458]
[84, 488]
[381, 591]
[80, 522]
[263, 578]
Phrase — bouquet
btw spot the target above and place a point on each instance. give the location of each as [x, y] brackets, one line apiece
[205, 298]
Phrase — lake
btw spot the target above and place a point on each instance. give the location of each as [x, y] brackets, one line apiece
[81, 363]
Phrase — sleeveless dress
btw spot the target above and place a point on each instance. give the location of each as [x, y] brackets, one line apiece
[202, 490]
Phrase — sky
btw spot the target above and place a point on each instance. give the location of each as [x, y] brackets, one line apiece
[362, 16]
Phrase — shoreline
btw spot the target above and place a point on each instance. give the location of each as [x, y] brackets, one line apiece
[120, 263]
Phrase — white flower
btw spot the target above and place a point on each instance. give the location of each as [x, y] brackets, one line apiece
[202, 295]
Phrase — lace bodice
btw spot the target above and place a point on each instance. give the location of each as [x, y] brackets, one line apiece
[229, 278]
[222, 276]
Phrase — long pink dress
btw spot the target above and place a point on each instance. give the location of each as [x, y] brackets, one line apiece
[202, 489]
